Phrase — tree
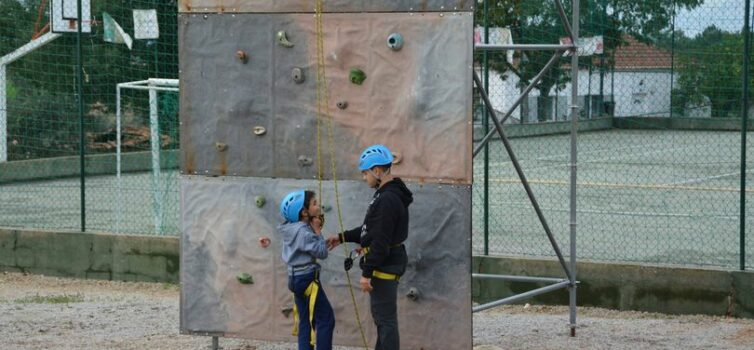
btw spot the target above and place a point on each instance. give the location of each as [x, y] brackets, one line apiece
[42, 109]
[538, 22]
[710, 67]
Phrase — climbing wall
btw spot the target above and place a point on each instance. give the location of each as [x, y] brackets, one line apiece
[248, 136]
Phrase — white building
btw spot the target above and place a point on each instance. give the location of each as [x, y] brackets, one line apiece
[641, 80]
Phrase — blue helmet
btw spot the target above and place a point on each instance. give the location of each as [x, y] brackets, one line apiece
[373, 156]
[291, 206]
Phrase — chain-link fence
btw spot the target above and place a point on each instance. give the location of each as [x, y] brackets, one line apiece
[660, 169]
[660, 85]
[41, 180]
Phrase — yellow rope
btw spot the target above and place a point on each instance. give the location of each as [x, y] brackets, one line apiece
[323, 102]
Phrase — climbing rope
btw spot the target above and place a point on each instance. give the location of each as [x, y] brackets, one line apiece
[323, 112]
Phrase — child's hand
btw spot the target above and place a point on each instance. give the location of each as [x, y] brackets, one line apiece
[316, 223]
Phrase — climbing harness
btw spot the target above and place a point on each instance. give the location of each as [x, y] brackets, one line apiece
[311, 293]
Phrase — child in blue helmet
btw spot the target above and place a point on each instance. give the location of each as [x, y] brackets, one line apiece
[303, 244]
[381, 239]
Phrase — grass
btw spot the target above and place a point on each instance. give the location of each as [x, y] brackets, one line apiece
[51, 299]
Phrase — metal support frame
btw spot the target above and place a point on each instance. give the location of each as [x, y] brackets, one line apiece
[153, 85]
[569, 269]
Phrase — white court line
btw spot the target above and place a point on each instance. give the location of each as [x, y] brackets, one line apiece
[591, 161]
[623, 213]
[707, 178]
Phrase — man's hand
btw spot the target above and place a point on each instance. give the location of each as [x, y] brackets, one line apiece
[332, 242]
[366, 284]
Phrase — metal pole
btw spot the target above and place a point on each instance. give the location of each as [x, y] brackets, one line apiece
[80, 93]
[744, 119]
[520, 172]
[119, 200]
[486, 128]
[672, 59]
[522, 296]
[154, 128]
[564, 18]
[215, 343]
[574, 153]
[554, 59]
[516, 278]
[3, 116]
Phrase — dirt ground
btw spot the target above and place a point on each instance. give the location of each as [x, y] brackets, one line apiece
[38, 312]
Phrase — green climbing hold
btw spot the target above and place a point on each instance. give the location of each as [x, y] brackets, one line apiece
[260, 200]
[245, 278]
[357, 76]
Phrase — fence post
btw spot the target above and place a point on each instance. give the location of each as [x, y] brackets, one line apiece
[744, 117]
[486, 127]
[80, 102]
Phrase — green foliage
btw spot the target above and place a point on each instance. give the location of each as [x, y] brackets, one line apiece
[43, 113]
[51, 299]
[710, 71]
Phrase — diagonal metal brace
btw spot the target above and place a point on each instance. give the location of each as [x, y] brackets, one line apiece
[519, 170]
[566, 24]
[519, 100]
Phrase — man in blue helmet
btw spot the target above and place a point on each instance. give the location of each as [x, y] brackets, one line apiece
[381, 238]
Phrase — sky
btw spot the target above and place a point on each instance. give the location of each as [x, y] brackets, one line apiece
[724, 14]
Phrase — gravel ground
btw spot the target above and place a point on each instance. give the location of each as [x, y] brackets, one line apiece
[38, 312]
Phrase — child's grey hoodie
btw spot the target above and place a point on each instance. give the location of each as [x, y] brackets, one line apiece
[301, 246]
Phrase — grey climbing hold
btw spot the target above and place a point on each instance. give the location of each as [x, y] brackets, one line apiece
[357, 76]
[221, 146]
[260, 130]
[304, 161]
[342, 104]
[326, 208]
[298, 75]
[413, 294]
[260, 201]
[395, 41]
[282, 39]
[245, 278]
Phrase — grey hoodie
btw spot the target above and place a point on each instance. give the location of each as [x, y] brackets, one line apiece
[301, 246]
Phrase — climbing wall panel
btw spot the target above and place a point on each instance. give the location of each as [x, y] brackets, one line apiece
[238, 76]
[222, 225]
[299, 6]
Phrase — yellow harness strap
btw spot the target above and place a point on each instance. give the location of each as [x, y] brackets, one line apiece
[311, 291]
[379, 274]
[385, 276]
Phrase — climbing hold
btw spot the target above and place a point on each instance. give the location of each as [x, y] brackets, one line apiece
[298, 75]
[357, 76]
[244, 278]
[304, 161]
[264, 242]
[286, 311]
[282, 39]
[221, 146]
[242, 57]
[326, 208]
[260, 130]
[397, 158]
[413, 294]
[260, 200]
[342, 104]
[395, 41]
